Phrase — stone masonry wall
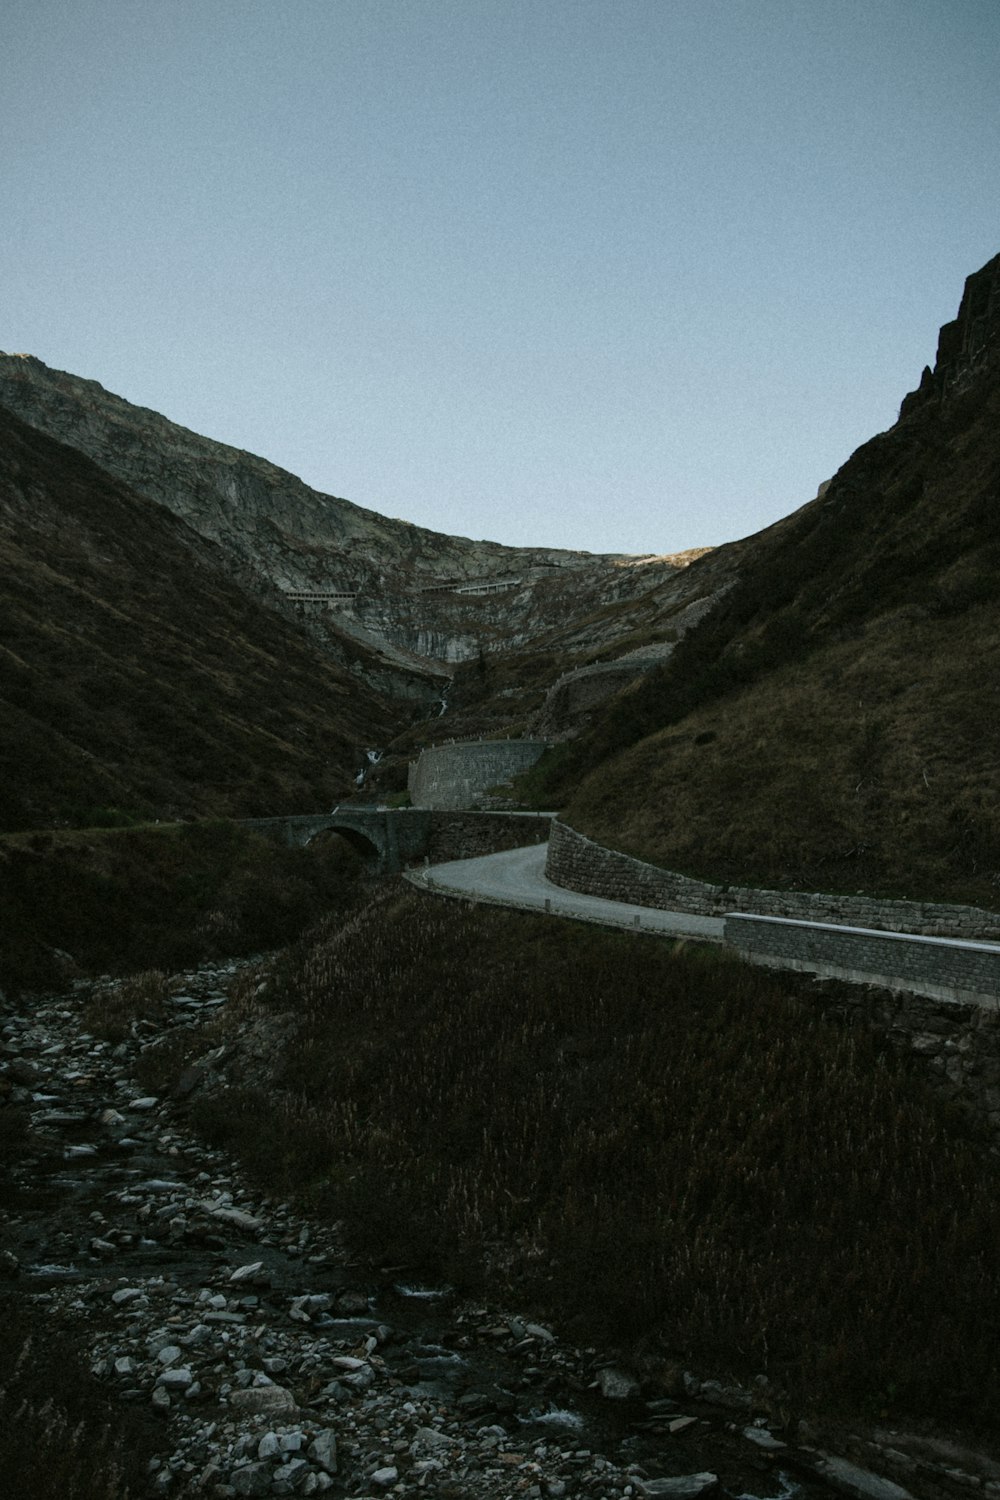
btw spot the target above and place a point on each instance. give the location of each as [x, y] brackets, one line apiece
[579, 864]
[400, 837]
[953, 1033]
[467, 835]
[938, 967]
[957, 1044]
[457, 776]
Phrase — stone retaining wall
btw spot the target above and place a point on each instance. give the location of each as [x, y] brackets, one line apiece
[467, 835]
[938, 1000]
[456, 776]
[957, 1043]
[578, 864]
[941, 968]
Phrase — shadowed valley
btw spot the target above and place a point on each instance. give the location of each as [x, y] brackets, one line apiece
[435, 1198]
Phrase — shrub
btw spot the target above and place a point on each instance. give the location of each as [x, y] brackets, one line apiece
[113, 1010]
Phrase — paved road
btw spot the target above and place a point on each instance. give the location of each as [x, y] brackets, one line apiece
[517, 878]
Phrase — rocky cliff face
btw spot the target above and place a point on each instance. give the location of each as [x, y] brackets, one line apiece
[968, 347]
[436, 599]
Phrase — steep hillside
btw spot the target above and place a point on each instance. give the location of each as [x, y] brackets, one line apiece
[599, 631]
[399, 588]
[833, 721]
[135, 676]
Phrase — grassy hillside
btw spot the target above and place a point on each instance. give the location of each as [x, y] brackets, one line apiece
[654, 1142]
[136, 678]
[97, 900]
[834, 721]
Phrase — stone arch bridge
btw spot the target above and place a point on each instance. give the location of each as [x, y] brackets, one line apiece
[392, 838]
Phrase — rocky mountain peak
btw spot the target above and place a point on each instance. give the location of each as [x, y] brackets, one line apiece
[968, 346]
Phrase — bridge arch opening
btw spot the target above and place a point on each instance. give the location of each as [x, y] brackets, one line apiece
[364, 848]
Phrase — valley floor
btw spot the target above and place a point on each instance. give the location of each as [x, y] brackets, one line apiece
[273, 1363]
[258, 1356]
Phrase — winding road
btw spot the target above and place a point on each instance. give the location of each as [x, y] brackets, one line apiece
[517, 878]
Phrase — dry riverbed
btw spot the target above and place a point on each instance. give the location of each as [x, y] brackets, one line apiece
[274, 1364]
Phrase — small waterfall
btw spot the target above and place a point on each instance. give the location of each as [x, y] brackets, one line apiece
[442, 702]
[372, 757]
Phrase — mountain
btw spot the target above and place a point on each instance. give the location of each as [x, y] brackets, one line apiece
[427, 619]
[813, 706]
[423, 600]
[832, 721]
[137, 678]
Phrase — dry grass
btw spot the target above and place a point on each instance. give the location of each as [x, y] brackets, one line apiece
[855, 770]
[113, 1011]
[61, 1436]
[661, 1144]
[136, 678]
[831, 723]
[127, 900]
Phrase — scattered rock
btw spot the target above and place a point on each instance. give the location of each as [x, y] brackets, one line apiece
[251, 1479]
[857, 1483]
[616, 1384]
[682, 1487]
[270, 1399]
[430, 1437]
[323, 1450]
[382, 1410]
[761, 1438]
[247, 1273]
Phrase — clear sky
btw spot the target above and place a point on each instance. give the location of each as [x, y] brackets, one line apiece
[626, 275]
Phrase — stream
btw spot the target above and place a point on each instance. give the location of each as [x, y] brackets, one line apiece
[275, 1362]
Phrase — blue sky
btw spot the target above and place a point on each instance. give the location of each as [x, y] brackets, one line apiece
[627, 275]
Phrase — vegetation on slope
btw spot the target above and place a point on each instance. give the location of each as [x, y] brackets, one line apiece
[135, 675]
[841, 772]
[652, 1140]
[61, 1434]
[830, 723]
[131, 899]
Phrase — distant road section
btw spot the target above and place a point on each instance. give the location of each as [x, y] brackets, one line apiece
[517, 878]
